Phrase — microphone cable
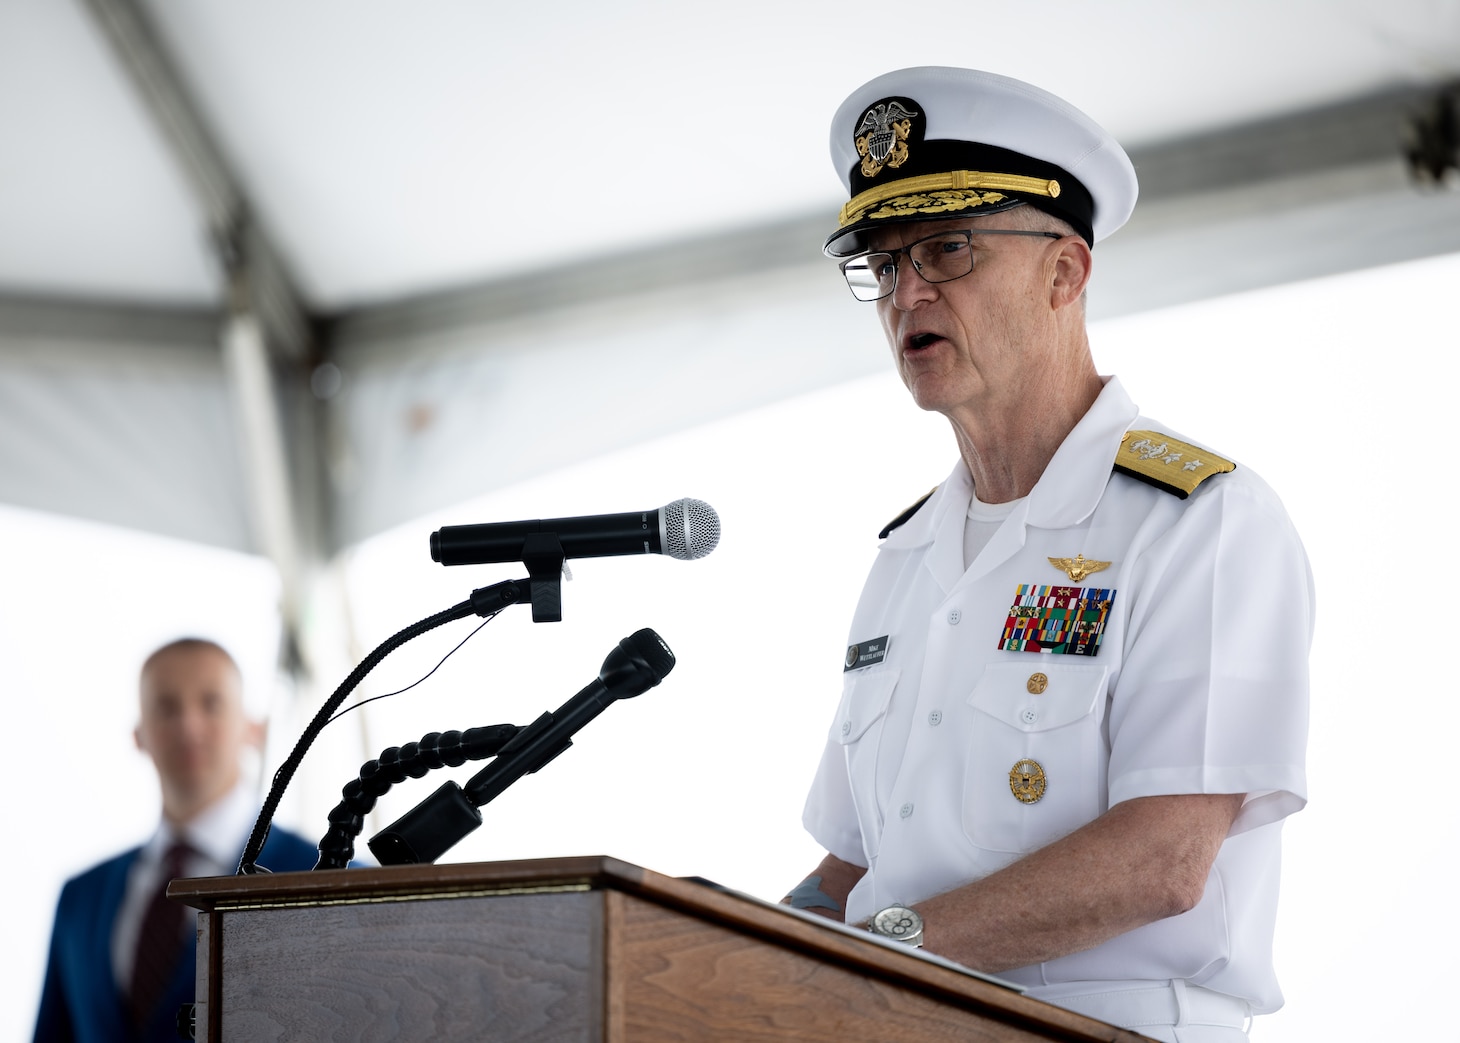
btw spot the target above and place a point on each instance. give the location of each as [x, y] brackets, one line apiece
[399, 691]
[484, 601]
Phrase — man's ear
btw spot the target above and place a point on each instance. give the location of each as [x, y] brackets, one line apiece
[137, 737]
[1072, 267]
[255, 732]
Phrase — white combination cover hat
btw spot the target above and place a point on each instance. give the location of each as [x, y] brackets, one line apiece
[935, 142]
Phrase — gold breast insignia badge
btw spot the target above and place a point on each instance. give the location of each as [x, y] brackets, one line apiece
[1077, 568]
[1027, 781]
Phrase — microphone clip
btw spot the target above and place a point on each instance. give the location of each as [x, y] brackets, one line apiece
[543, 589]
[542, 553]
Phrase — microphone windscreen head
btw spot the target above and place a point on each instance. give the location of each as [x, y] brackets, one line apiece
[654, 651]
[689, 529]
[636, 664]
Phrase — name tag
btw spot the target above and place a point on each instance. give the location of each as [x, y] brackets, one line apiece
[1057, 620]
[865, 653]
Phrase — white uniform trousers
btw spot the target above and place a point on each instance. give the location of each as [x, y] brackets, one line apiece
[1172, 1011]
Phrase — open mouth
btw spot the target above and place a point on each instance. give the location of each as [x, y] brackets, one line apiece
[921, 340]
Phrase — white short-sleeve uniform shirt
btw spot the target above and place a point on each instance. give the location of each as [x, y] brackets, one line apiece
[1199, 685]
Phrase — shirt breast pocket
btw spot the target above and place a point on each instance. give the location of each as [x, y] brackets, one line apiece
[857, 728]
[1037, 761]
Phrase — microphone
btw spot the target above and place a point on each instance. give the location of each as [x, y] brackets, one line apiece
[429, 830]
[685, 529]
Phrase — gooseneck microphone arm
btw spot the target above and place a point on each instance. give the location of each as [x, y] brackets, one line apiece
[435, 825]
[396, 764]
[484, 601]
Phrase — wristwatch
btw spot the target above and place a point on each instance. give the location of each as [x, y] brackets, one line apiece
[899, 923]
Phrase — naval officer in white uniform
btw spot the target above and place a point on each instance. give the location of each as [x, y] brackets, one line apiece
[1075, 697]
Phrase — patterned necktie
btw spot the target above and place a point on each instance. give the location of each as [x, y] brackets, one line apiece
[158, 943]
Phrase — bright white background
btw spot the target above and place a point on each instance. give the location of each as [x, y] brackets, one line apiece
[1340, 392]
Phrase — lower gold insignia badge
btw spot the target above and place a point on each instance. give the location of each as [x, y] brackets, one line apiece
[1027, 781]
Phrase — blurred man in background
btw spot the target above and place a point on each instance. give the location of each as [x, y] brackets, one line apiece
[122, 955]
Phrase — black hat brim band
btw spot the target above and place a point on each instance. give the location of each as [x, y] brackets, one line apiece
[975, 181]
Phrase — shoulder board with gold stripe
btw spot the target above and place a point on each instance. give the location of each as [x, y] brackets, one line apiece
[1166, 463]
[904, 516]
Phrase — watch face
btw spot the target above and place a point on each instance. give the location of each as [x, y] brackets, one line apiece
[899, 923]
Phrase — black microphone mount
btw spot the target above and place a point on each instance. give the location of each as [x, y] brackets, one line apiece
[429, 830]
[484, 601]
[685, 529]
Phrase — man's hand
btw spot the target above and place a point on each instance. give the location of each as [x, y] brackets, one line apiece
[825, 891]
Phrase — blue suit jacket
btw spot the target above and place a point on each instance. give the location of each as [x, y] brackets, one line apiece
[80, 1000]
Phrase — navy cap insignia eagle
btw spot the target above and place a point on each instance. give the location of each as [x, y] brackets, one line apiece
[882, 137]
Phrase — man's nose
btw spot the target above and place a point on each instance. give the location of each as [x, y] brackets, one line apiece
[193, 722]
[911, 289]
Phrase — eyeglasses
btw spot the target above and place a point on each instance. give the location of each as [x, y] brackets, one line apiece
[938, 258]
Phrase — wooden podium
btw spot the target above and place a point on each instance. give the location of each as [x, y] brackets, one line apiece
[570, 949]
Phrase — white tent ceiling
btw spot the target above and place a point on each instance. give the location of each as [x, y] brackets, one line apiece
[396, 149]
[510, 224]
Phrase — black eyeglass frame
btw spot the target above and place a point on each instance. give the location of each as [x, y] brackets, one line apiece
[966, 233]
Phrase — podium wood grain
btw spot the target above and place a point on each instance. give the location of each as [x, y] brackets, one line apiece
[685, 981]
[570, 949]
[524, 969]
